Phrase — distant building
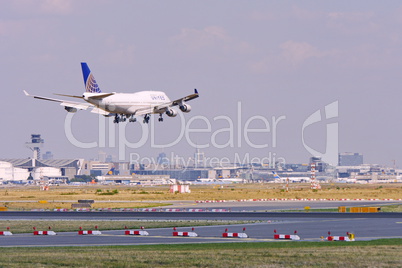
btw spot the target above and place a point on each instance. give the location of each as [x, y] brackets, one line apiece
[350, 159]
[199, 159]
[47, 156]
[35, 145]
[109, 158]
[67, 168]
[179, 174]
[162, 159]
[102, 157]
[320, 166]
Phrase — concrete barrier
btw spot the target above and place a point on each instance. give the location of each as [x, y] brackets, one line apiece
[44, 233]
[290, 237]
[89, 232]
[196, 210]
[349, 237]
[189, 234]
[239, 235]
[6, 233]
[339, 238]
[129, 232]
[285, 236]
[173, 210]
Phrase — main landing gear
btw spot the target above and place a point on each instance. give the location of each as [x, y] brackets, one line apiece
[146, 119]
[123, 118]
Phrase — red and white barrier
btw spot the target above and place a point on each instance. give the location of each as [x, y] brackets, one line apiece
[196, 210]
[173, 210]
[290, 237]
[128, 232]
[294, 199]
[340, 238]
[149, 210]
[239, 235]
[282, 236]
[89, 232]
[44, 233]
[189, 234]
[218, 210]
[6, 233]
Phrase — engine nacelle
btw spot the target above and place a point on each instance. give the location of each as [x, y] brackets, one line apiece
[185, 108]
[70, 109]
[171, 113]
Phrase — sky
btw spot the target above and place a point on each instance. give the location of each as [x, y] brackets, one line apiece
[278, 80]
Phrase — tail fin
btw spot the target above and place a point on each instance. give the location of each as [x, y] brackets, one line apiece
[89, 79]
[276, 176]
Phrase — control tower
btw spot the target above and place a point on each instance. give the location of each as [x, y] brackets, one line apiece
[35, 145]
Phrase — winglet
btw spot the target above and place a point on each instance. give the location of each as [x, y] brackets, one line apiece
[26, 93]
[195, 91]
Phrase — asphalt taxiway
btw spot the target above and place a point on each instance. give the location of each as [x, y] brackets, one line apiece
[309, 226]
[309, 229]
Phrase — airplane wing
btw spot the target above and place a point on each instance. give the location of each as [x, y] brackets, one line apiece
[186, 98]
[146, 110]
[101, 112]
[163, 107]
[67, 104]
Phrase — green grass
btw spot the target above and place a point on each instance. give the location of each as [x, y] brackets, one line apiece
[377, 253]
[392, 208]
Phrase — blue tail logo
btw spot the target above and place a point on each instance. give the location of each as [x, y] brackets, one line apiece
[89, 80]
[276, 176]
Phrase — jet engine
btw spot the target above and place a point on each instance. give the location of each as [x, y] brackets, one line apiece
[185, 108]
[70, 109]
[171, 113]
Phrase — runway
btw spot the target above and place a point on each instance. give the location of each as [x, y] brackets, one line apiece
[309, 226]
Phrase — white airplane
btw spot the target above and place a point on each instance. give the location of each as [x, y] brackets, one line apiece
[122, 106]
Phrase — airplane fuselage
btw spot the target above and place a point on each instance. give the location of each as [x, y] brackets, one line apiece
[129, 103]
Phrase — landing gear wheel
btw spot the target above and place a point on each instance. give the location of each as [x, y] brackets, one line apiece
[146, 119]
[116, 119]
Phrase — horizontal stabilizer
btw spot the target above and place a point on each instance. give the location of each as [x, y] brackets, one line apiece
[101, 95]
[71, 96]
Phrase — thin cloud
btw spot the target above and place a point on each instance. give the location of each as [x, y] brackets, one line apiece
[193, 39]
[297, 52]
[56, 6]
